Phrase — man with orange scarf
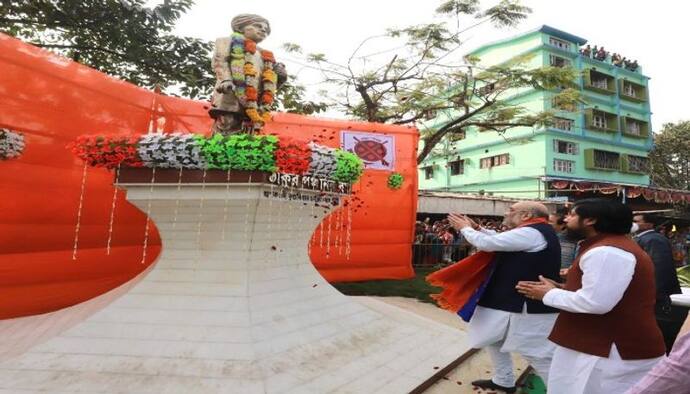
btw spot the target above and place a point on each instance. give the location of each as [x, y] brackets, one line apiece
[505, 321]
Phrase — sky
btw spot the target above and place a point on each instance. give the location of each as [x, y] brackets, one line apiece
[654, 33]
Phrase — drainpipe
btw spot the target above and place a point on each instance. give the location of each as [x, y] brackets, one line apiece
[624, 195]
[447, 151]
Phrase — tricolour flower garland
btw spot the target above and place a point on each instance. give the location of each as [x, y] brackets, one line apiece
[255, 92]
[11, 144]
[235, 152]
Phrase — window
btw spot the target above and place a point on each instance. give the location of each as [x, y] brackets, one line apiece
[563, 124]
[601, 83]
[564, 45]
[559, 105]
[633, 127]
[606, 160]
[629, 90]
[457, 167]
[557, 61]
[599, 120]
[638, 164]
[428, 172]
[457, 136]
[493, 161]
[563, 165]
[567, 147]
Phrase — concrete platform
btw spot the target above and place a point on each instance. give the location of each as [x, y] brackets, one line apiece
[233, 305]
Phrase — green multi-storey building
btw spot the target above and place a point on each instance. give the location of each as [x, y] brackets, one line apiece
[605, 140]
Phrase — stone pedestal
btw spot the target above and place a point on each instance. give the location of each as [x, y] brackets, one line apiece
[233, 305]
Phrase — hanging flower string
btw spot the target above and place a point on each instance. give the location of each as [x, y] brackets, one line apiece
[148, 217]
[112, 211]
[79, 209]
[255, 92]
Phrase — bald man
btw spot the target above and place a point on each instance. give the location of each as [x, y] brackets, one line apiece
[505, 321]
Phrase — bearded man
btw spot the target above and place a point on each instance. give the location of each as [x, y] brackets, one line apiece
[504, 320]
[606, 333]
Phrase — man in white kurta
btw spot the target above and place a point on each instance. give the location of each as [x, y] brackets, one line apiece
[607, 272]
[501, 332]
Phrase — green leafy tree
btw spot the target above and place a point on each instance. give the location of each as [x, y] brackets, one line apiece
[131, 41]
[670, 159]
[424, 79]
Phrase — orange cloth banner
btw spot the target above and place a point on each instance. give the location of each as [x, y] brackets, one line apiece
[52, 100]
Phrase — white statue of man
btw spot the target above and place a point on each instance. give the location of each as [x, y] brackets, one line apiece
[247, 77]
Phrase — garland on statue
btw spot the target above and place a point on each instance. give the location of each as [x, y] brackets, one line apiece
[255, 92]
[235, 152]
[11, 144]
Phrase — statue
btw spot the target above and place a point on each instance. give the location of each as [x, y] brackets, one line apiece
[247, 77]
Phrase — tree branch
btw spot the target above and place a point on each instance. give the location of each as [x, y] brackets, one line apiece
[435, 138]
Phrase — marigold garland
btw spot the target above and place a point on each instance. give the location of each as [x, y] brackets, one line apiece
[255, 94]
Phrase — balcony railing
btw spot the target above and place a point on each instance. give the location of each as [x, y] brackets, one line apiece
[601, 120]
[596, 159]
[599, 82]
[634, 127]
[632, 91]
[634, 164]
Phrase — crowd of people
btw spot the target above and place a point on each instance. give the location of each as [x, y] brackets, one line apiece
[583, 295]
[601, 54]
[437, 243]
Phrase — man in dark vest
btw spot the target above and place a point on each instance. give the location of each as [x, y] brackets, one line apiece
[505, 321]
[606, 334]
[669, 317]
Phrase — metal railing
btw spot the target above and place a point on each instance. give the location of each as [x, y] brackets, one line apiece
[425, 255]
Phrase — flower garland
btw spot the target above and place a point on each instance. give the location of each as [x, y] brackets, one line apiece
[175, 150]
[235, 152]
[107, 151]
[255, 92]
[347, 166]
[395, 180]
[292, 157]
[323, 161]
[11, 144]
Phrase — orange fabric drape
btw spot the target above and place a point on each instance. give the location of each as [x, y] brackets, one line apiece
[459, 281]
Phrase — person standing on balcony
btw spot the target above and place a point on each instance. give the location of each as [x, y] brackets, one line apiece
[504, 320]
[606, 334]
[669, 318]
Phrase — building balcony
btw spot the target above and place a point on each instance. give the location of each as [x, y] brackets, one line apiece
[635, 128]
[601, 160]
[632, 91]
[599, 82]
[599, 120]
[634, 164]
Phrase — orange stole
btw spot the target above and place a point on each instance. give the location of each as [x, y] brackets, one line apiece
[459, 281]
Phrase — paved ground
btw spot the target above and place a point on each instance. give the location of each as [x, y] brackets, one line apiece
[477, 367]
